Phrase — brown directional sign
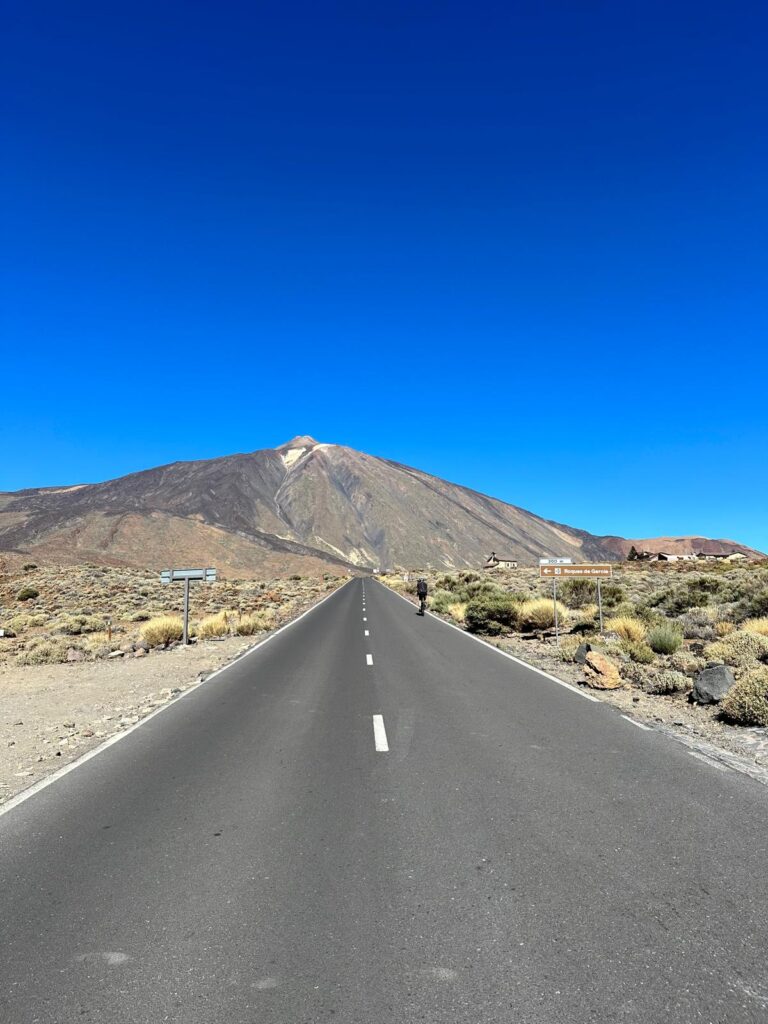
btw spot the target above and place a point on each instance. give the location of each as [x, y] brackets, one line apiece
[590, 570]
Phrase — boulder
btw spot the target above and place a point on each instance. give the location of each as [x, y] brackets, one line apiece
[600, 673]
[712, 684]
[581, 653]
[115, 654]
[140, 653]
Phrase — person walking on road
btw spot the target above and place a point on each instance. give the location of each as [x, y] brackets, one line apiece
[421, 592]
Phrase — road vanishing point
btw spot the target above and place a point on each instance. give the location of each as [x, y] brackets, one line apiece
[374, 819]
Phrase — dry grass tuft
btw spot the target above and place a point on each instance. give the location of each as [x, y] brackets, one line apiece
[162, 630]
[627, 627]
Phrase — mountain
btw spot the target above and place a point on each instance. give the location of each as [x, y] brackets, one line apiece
[303, 507]
[677, 546]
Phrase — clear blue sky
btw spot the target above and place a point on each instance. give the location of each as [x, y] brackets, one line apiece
[518, 245]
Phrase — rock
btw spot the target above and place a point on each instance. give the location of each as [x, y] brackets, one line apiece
[581, 653]
[712, 684]
[115, 654]
[74, 655]
[87, 732]
[127, 648]
[67, 725]
[140, 653]
[600, 673]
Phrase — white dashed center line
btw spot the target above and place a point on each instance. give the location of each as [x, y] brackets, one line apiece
[380, 734]
[367, 632]
[364, 619]
[369, 659]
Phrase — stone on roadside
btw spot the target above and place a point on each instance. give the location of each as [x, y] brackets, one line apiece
[712, 684]
[115, 654]
[140, 653]
[600, 673]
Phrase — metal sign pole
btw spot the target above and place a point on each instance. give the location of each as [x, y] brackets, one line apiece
[186, 611]
[600, 603]
[554, 603]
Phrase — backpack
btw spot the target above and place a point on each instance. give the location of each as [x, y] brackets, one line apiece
[421, 588]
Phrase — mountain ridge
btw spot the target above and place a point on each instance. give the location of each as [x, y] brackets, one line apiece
[303, 506]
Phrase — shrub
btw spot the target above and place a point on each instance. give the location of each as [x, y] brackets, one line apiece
[739, 649]
[753, 607]
[458, 611]
[74, 625]
[627, 627]
[44, 652]
[491, 613]
[139, 617]
[256, 623]
[724, 628]
[664, 639]
[666, 681]
[612, 594]
[213, 625]
[539, 613]
[639, 651]
[576, 593]
[294, 577]
[697, 624]
[29, 566]
[162, 630]
[27, 594]
[759, 626]
[746, 703]
[441, 600]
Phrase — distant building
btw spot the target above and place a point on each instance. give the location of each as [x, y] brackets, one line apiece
[494, 562]
[723, 556]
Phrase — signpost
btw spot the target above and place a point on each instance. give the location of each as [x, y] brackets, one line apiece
[187, 576]
[563, 569]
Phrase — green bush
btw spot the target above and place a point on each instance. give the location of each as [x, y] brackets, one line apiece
[664, 638]
[74, 625]
[740, 649]
[612, 594]
[638, 651]
[27, 594]
[44, 651]
[576, 593]
[753, 607]
[441, 600]
[746, 703]
[666, 681]
[491, 614]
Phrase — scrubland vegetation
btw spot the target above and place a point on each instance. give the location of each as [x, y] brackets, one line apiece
[662, 625]
[83, 613]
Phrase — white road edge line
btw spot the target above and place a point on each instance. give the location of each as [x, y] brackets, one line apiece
[489, 647]
[380, 734]
[709, 760]
[42, 784]
[369, 659]
[640, 725]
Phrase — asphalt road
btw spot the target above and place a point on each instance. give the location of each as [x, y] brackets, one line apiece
[511, 853]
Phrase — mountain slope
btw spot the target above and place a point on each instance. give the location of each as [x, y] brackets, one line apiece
[303, 507]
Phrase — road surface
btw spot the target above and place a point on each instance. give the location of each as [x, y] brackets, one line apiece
[374, 819]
